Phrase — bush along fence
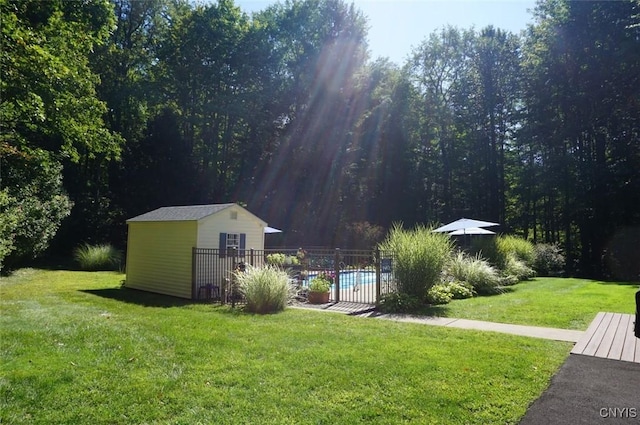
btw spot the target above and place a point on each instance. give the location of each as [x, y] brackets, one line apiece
[357, 276]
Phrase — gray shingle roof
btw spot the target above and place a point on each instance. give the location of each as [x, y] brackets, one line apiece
[185, 213]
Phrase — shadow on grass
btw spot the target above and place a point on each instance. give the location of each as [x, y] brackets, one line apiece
[150, 299]
[617, 283]
[52, 264]
[143, 298]
[500, 290]
[434, 311]
[442, 310]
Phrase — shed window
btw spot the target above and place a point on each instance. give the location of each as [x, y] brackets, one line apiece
[233, 240]
[229, 241]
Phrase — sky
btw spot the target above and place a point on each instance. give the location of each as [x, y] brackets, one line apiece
[397, 26]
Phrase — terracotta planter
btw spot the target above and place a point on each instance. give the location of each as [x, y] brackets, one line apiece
[318, 297]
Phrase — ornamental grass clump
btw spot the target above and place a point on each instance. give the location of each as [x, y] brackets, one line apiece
[97, 257]
[518, 268]
[517, 247]
[419, 257]
[266, 289]
[475, 272]
[501, 250]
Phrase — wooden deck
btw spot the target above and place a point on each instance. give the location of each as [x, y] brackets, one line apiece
[610, 336]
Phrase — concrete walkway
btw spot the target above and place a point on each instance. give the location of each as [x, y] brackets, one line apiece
[530, 331]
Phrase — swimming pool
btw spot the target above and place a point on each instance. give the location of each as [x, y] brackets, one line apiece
[352, 278]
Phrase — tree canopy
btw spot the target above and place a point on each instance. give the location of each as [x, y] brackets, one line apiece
[112, 108]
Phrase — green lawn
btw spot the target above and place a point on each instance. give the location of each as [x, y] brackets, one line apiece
[75, 348]
[552, 302]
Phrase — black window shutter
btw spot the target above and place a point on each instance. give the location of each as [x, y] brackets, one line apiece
[243, 243]
[223, 245]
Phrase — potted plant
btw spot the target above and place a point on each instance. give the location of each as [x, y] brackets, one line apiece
[319, 289]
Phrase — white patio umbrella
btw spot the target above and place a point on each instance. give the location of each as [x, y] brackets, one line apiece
[272, 230]
[472, 231]
[464, 223]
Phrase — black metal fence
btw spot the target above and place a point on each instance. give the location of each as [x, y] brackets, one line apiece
[359, 276]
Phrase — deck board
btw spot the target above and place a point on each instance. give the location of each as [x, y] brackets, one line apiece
[629, 347]
[582, 344]
[619, 337]
[597, 336]
[610, 336]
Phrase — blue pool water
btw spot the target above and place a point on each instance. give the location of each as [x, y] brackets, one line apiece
[351, 278]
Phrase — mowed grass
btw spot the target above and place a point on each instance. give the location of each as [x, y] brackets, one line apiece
[76, 349]
[565, 303]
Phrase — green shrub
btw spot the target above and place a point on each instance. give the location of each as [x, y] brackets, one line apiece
[460, 290]
[9, 222]
[266, 289]
[419, 257]
[439, 294]
[474, 272]
[398, 303]
[33, 203]
[97, 257]
[280, 259]
[276, 259]
[549, 260]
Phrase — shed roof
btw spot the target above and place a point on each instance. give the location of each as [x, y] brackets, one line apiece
[184, 213]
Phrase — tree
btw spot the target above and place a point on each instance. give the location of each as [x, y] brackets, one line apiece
[487, 107]
[436, 69]
[33, 203]
[49, 111]
[378, 171]
[582, 61]
[135, 86]
[48, 91]
[318, 48]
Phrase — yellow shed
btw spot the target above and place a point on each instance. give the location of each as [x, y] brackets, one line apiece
[160, 243]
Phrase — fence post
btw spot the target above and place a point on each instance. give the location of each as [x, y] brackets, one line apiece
[251, 257]
[378, 261]
[232, 280]
[336, 271]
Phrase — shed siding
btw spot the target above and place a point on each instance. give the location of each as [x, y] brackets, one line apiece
[159, 256]
[210, 227]
[210, 231]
